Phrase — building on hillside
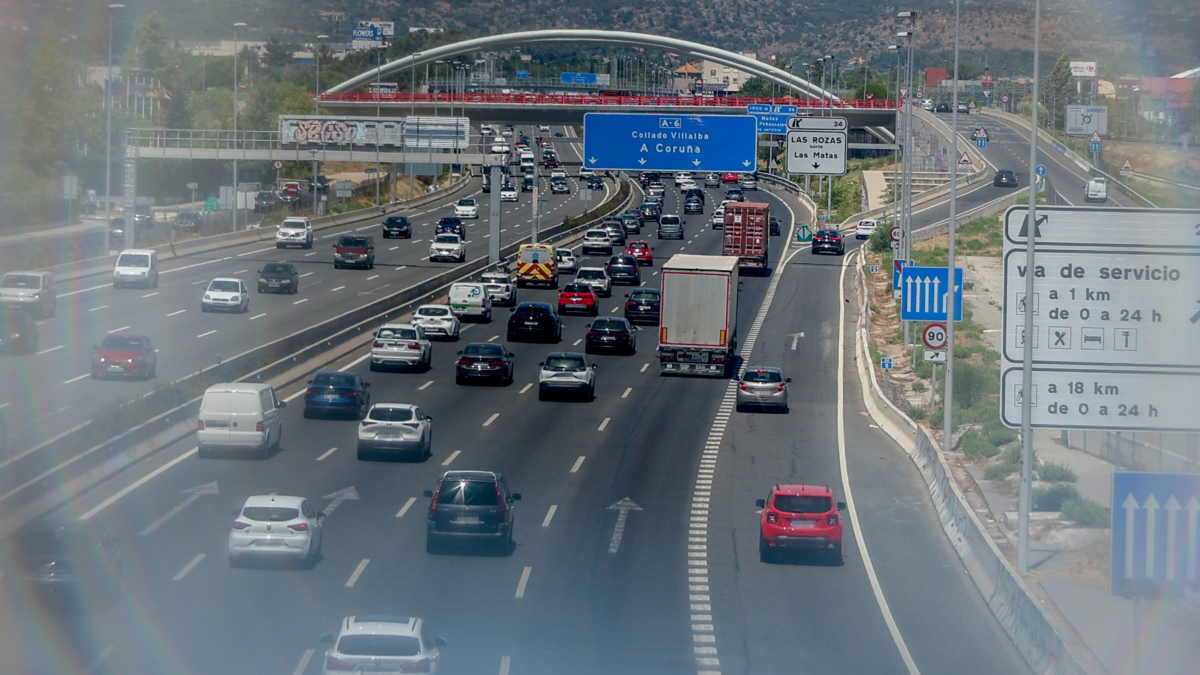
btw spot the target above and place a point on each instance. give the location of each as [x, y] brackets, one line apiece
[720, 78]
[686, 76]
[1165, 98]
[220, 47]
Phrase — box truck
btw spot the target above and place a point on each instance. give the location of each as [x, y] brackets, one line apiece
[698, 330]
[745, 233]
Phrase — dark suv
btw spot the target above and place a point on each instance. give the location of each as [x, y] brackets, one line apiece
[534, 321]
[484, 361]
[18, 331]
[471, 506]
[623, 269]
[643, 306]
[68, 560]
[354, 250]
[608, 333]
[281, 277]
[397, 226]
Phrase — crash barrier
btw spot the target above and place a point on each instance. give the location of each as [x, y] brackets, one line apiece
[795, 189]
[991, 208]
[1138, 450]
[1043, 637]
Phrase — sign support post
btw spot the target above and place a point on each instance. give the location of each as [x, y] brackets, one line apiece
[494, 178]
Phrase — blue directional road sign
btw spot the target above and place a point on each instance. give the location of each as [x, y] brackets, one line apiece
[1154, 529]
[636, 142]
[981, 142]
[885, 363]
[897, 267]
[923, 294]
[1094, 146]
[522, 74]
[772, 119]
[1041, 169]
[578, 78]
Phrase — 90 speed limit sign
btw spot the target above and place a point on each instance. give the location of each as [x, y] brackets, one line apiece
[934, 336]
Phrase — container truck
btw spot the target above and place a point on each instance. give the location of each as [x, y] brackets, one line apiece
[746, 235]
[698, 328]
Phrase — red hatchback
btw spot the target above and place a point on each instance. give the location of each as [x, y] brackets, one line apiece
[799, 517]
[642, 251]
[125, 356]
[729, 177]
[578, 298]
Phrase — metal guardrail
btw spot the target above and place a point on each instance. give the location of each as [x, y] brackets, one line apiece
[794, 188]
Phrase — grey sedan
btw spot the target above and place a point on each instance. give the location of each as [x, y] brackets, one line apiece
[763, 387]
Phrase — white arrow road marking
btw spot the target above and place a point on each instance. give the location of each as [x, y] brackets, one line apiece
[795, 339]
[339, 497]
[192, 495]
[1130, 505]
[1192, 507]
[624, 507]
[1151, 507]
[1172, 507]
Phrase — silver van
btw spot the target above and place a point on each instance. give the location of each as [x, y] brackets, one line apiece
[34, 292]
[136, 267]
[239, 416]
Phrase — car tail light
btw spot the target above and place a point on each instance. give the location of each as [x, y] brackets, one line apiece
[299, 527]
[719, 358]
[502, 511]
[352, 394]
[592, 333]
[743, 386]
[200, 425]
[433, 502]
[332, 663]
[772, 518]
[258, 427]
[377, 344]
[421, 666]
[464, 362]
[496, 363]
[312, 392]
[781, 387]
[631, 304]
[833, 519]
[239, 525]
[414, 345]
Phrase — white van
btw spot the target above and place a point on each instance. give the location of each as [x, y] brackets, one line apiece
[136, 267]
[1096, 190]
[239, 416]
[472, 300]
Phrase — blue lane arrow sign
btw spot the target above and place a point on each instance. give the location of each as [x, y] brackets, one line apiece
[1094, 146]
[981, 142]
[643, 142]
[897, 267]
[923, 293]
[1154, 530]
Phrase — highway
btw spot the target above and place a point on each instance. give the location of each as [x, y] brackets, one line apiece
[563, 601]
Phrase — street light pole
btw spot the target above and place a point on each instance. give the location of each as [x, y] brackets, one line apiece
[948, 397]
[108, 136]
[317, 98]
[234, 140]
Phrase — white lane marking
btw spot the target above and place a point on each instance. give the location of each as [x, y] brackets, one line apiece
[449, 459]
[393, 248]
[240, 255]
[5, 405]
[84, 290]
[491, 419]
[467, 327]
[241, 271]
[614, 310]
[407, 505]
[197, 283]
[300, 301]
[118, 330]
[257, 316]
[578, 463]
[373, 277]
[357, 572]
[204, 334]
[188, 567]
[842, 466]
[549, 515]
[417, 241]
[177, 312]
[357, 361]
[336, 289]
[505, 664]
[303, 665]
[626, 394]
[422, 387]
[523, 582]
[644, 367]
[76, 379]
[327, 453]
[96, 309]
[493, 338]
[306, 255]
[150, 295]
[135, 485]
[401, 267]
[525, 388]
[576, 343]
[307, 274]
[655, 273]
[604, 424]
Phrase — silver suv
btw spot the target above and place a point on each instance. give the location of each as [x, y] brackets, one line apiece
[567, 372]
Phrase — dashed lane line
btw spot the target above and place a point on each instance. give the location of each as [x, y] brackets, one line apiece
[424, 386]
[549, 515]
[76, 379]
[604, 424]
[578, 463]
[206, 334]
[188, 567]
[525, 388]
[451, 458]
[357, 572]
[491, 419]
[626, 394]
[177, 312]
[118, 330]
[523, 582]
[303, 665]
[326, 454]
[407, 505]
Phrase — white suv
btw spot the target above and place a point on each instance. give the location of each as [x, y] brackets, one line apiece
[448, 246]
[382, 643]
[226, 293]
[401, 344]
[865, 228]
[597, 278]
[499, 288]
[437, 320]
[597, 241]
[294, 232]
[567, 372]
[466, 208]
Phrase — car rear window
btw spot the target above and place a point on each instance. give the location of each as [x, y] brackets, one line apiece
[802, 504]
[565, 363]
[396, 334]
[468, 493]
[762, 376]
[670, 220]
[590, 274]
[644, 296]
[379, 645]
[123, 343]
[380, 414]
[270, 514]
[333, 380]
[609, 324]
[483, 350]
[597, 234]
[576, 288]
[352, 241]
[276, 268]
[433, 311]
[447, 239]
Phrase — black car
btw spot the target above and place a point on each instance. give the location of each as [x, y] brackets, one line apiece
[470, 506]
[527, 183]
[636, 214]
[650, 211]
[774, 223]
[534, 321]
[611, 333]
[693, 205]
[397, 226]
[1005, 178]
[623, 269]
[337, 392]
[188, 220]
[632, 223]
[648, 177]
[736, 195]
[487, 185]
[484, 361]
[143, 214]
[643, 306]
[70, 560]
[595, 183]
[116, 227]
[264, 202]
[559, 187]
[453, 225]
[282, 277]
[828, 241]
[943, 108]
[321, 183]
[18, 330]
[695, 192]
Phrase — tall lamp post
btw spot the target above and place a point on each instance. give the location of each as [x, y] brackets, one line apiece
[948, 397]
[234, 143]
[108, 135]
[896, 153]
[317, 98]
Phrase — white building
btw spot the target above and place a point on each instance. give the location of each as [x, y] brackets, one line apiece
[719, 77]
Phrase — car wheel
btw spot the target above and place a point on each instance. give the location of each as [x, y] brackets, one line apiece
[203, 452]
[459, 380]
[278, 245]
[542, 394]
[374, 367]
[835, 553]
[260, 289]
[362, 455]
[155, 284]
[203, 307]
[591, 393]
[308, 414]
[246, 307]
[431, 546]
[154, 370]
[765, 554]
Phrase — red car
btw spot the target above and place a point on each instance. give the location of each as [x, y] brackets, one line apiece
[641, 250]
[578, 298]
[125, 356]
[800, 518]
[729, 177]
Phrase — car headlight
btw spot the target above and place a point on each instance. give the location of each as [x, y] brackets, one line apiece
[137, 359]
[207, 296]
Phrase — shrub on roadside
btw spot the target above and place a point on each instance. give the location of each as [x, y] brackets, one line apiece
[999, 471]
[1056, 473]
[1052, 498]
[1001, 437]
[977, 446]
[1086, 512]
[917, 413]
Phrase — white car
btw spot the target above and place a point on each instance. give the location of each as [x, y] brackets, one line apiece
[499, 148]
[391, 644]
[508, 193]
[687, 184]
[585, 173]
[557, 174]
[471, 300]
[507, 131]
[448, 246]
[466, 208]
[566, 260]
[226, 293]
[681, 176]
[401, 344]
[567, 372]
[597, 278]
[543, 127]
[865, 228]
[276, 526]
[718, 217]
[596, 240]
[395, 428]
[500, 288]
[294, 232]
[656, 190]
[437, 320]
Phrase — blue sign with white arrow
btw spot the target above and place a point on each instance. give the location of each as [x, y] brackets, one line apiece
[923, 293]
[772, 119]
[522, 74]
[1094, 146]
[981, 142]
[1154, 529]
[578, 78]
[650, 142]
[897, 268]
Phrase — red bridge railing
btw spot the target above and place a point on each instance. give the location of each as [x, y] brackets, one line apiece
[600, 100]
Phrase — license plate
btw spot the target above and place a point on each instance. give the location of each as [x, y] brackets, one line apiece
[269, 542]
[608, 339]
[803, 524]
[531, 323]
[576, 306]
[692, 357]
[116, 369]
[467, 520]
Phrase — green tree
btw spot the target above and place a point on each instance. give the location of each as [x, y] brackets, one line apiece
[756, 87]
[272, 99]
[277, 53]
[213, 109]
[1059, 91]
[151, 41]
[48, 118]
[877, 90]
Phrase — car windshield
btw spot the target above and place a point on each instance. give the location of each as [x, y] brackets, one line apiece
[762, 376]
[433, 311]
[21, 281]
[565, 363]
[293, 225]
[133, 260]
[270, 514]
[397, 220]
[468, 493]
[121, 342]
[496, 351]
[639, 246]
[466, 202]
[597, 234]
[276, 268]
[396, 334]
[577, 288]
[353, 241]
[802, 504]
[379, 645]
[670, 220]
[446, 239]
[387, 414]
[225, 286]
[334, 380]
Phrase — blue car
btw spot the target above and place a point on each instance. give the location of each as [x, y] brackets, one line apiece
[337, 392]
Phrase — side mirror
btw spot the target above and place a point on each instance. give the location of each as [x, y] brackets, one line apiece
[512, 309]
[788, 379]
[326, 639]
[366, 385]
[541, 363]
[310, 381]
[627, 295]
[460, 352]
[760, 503]
[260, 271]
[516, 497]
[439, 641]
[428, 493]
[282, 404]
[841, 506]
[595, 366]
[320, 515]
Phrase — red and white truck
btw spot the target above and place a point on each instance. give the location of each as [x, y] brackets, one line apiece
[698, 329]
[747, 233]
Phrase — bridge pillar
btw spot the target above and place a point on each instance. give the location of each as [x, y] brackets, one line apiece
[130, 193]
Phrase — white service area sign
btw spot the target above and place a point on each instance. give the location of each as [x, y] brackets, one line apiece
[1085, 120]
[1116, 317]
[1083, 68]
[816, 146]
